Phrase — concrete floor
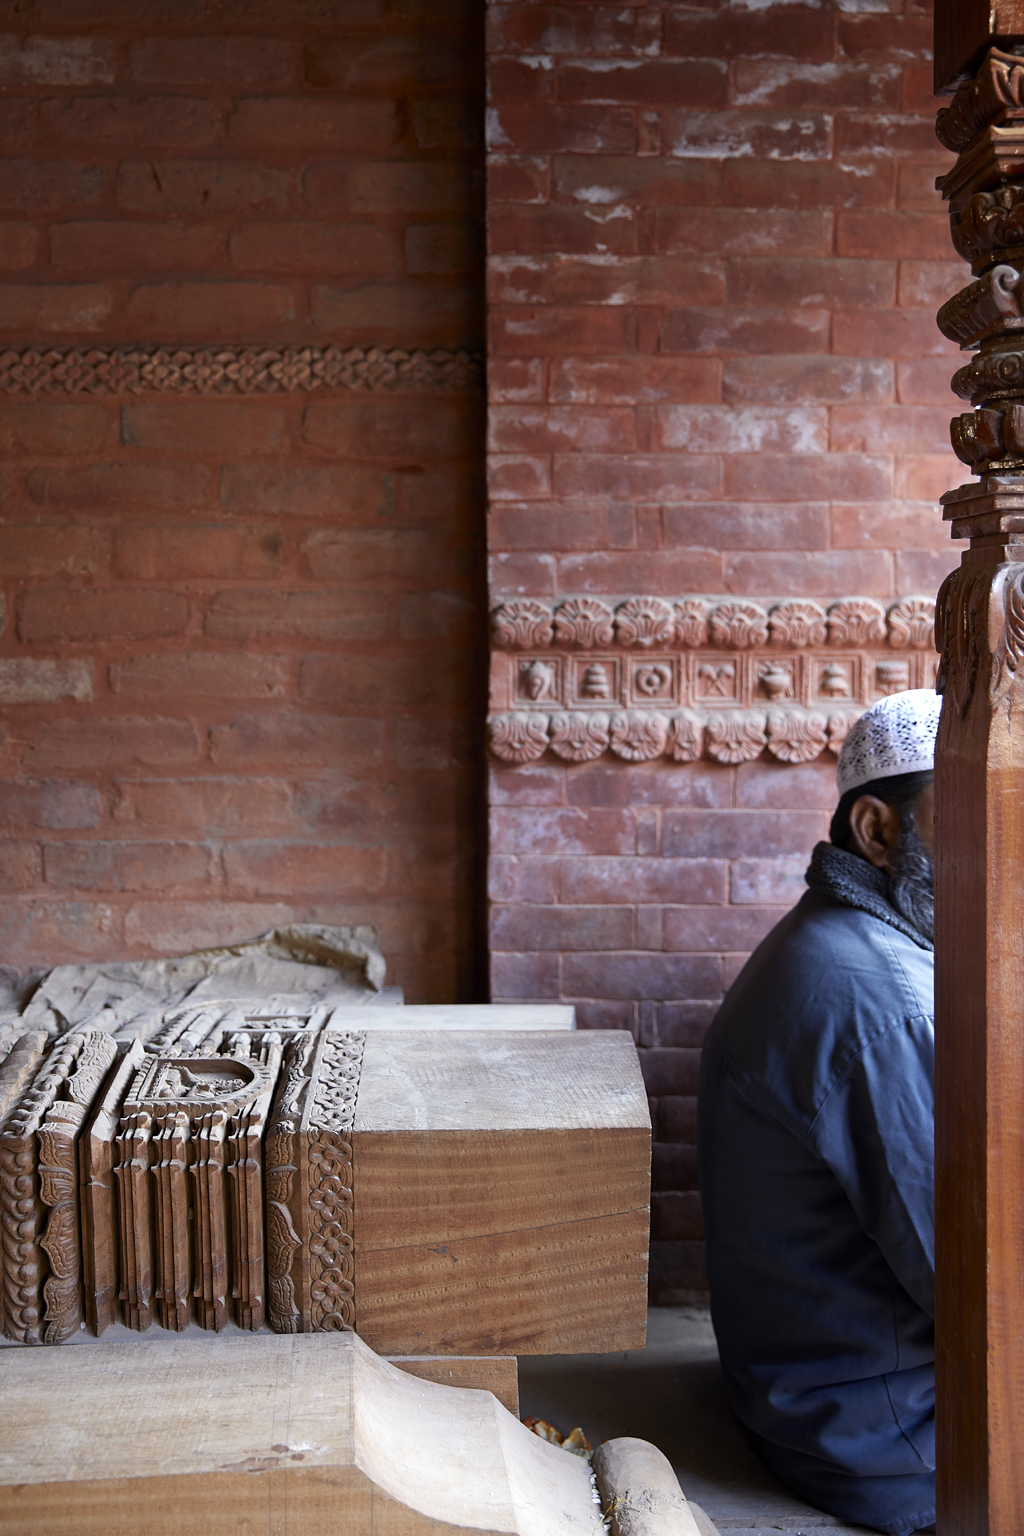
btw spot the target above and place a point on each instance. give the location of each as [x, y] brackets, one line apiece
[672, 1394]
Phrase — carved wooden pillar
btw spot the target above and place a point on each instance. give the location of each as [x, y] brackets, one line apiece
[979, 1131]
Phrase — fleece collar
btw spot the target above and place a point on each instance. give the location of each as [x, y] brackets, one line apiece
[851, 880]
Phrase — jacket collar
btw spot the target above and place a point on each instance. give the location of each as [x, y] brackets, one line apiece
[854, 882]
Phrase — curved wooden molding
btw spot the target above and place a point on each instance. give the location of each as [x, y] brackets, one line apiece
[218, 370]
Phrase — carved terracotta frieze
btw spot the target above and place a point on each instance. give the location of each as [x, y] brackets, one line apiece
[232, 370]
[718, 678]
[690, 623]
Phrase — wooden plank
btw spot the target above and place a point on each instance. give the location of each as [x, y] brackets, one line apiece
[501, 1193]
[291, 1433]
[487, 1373]
[534, 1016]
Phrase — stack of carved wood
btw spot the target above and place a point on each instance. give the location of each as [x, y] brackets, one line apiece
[468, 1192]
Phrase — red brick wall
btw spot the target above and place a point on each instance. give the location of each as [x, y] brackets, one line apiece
[239, 664]
[715, 256]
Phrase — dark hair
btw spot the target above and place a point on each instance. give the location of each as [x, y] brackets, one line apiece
[900, 791]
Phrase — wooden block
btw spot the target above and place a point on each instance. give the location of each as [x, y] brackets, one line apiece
[501, 1193]
[297, 1435]
[538, 1016]
[489, 1373]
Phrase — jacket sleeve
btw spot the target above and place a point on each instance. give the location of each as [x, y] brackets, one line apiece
[876, 1131]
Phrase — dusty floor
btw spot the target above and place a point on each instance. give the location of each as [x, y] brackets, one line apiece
[672, 1394]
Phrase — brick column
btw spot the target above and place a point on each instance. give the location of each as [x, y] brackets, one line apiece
[718, 423]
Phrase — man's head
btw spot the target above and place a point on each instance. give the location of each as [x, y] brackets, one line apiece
[884, 813]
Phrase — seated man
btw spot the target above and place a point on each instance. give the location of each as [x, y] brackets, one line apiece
[816, 1139]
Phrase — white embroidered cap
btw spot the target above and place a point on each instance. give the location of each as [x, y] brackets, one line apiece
[896, 735]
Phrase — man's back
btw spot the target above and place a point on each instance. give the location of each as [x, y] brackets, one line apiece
[816, 1147]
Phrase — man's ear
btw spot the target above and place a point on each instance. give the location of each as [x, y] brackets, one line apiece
[874, 828]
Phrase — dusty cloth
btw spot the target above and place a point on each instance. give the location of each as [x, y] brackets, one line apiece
[816, 1130]
[290, 970]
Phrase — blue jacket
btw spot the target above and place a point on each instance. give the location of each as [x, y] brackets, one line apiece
[816, 1133]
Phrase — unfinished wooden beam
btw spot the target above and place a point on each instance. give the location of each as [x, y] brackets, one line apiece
[444, 1192]
[292, 1434]
[501, 1189]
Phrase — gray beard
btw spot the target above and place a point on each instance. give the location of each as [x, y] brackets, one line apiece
[911, 881]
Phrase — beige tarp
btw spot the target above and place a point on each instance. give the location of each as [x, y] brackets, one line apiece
[290, 970]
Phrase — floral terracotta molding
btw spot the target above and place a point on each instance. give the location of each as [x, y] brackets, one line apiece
[692, 622]
[724, 679]
[639, 736]
[232, 370]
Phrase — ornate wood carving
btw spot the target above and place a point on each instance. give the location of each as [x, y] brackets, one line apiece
[231, 370]
[979, 1069]
[309, 1184]
[100, 1247]
[188, 1167]
[39, 1189]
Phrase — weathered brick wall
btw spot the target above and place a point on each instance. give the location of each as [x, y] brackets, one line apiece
[715, 257]
[240, 660]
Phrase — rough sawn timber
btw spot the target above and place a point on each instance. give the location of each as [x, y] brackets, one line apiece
[501, 1193]
[295, 1434]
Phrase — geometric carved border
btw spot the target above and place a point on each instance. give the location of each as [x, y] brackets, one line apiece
[231, 370]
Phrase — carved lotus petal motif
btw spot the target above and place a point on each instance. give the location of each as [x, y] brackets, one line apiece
[795, 737]
[739, 625]
[522, 625]
[579, 737]
[856, 621]
[798, 623]
[584, 621]
[519, 737]
[1008, 647]
[639, 735]
[839, 727]
[686, 737]
[912, 623]
[692, 622]
[644, 621]
[735, 738]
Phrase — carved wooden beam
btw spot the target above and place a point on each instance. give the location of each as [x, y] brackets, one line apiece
[979, 1060]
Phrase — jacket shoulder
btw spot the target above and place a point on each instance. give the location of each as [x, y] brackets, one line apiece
[821, 987]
